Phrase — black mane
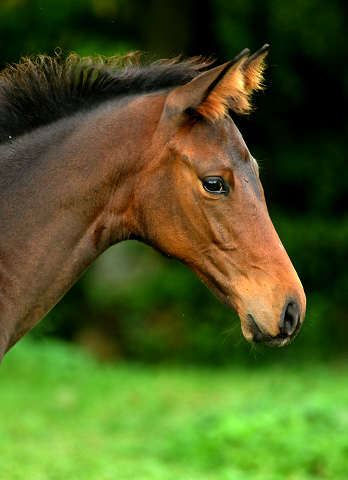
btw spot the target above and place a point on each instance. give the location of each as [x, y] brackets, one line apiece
[41, 90]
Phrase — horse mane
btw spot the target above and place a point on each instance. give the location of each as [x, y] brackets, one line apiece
[40, 90]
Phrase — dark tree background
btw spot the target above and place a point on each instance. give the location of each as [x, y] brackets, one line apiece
[134, 304]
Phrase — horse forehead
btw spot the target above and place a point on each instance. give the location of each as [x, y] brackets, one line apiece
[220, 141]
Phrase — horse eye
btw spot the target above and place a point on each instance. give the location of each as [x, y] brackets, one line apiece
[214, 185]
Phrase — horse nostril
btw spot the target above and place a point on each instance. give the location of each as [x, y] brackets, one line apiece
[290, 319]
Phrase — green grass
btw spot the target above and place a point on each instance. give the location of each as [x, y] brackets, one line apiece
[63, 416]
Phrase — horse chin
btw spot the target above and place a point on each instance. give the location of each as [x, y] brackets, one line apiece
[278, 341]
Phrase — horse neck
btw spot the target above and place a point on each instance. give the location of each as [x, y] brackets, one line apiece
[62, 206]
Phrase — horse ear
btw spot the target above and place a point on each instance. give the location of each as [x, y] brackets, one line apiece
[214, 92]
[253, 70]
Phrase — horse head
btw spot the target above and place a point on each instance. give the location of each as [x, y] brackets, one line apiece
[205, 205]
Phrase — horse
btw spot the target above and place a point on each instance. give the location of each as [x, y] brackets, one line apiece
[95, 151]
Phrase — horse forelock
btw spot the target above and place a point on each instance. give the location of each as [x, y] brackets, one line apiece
[40, 90]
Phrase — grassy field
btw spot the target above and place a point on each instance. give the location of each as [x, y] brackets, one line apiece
[63, 416]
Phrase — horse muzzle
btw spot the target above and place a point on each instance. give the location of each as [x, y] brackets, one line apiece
[260, 329]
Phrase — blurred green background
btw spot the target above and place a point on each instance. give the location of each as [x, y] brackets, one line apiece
[134, 304]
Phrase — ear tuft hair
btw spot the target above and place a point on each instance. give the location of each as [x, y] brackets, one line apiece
[234, 88]
[253, 70]
[230, 89]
